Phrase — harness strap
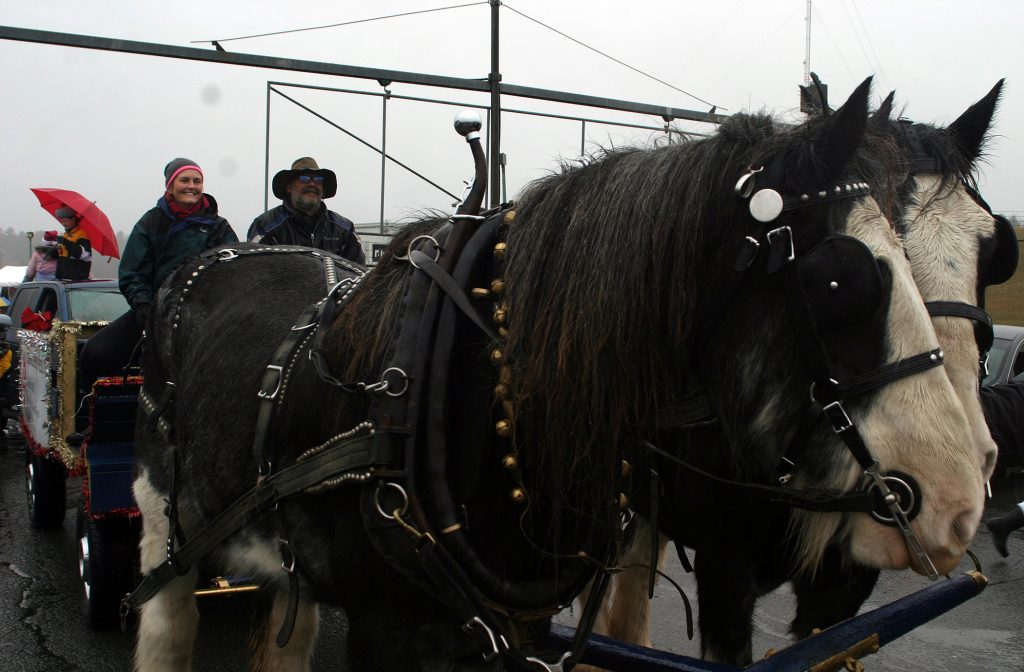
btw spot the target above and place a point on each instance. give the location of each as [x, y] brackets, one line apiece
[274, 378]
[886, 374]
[443, 280]
[338, 457]
[808, 499]
[983, 321]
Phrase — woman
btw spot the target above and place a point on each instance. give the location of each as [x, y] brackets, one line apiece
[183, 223]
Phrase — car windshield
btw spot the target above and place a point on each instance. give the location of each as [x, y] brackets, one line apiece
[995, 359]
[95, 304]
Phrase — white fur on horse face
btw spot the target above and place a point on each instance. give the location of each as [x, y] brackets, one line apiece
[917, 425]
[943, 236]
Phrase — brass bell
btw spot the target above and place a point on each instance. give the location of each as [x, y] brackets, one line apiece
[500, 315]
[497, 356]
[480, 293]
[627, 468]
[498, 286]
[499, 251]
[503, 332]
[623, 501]
[518, 495]
[510, 462]
[503, 428]
[502, 390]
[509, 216]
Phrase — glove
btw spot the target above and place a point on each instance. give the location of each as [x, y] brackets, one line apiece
[142, 315]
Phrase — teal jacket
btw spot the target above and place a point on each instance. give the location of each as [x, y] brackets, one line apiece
[160, 243]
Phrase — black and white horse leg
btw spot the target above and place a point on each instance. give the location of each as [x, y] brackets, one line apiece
[294, 656]
[168, 621]
[835, 593]
[726, 590]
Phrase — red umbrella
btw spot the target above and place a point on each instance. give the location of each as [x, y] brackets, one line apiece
[92, 220]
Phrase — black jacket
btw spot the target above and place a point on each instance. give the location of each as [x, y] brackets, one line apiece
[325, 230]
[1004, 412]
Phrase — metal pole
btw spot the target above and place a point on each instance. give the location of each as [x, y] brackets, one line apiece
[29, 234]
[583, 137]
[495, 117]
[383, 150]
[266, 156]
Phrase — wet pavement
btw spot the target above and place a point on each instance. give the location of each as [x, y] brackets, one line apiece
[42, 628]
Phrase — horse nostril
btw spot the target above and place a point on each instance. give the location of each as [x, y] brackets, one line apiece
[988, 465]
[964, 527]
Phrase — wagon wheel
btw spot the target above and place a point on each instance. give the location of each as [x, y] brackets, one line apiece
[45, 490]
[107, 564]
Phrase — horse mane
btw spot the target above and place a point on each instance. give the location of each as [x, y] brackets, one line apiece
[607, 267]
[362, 333]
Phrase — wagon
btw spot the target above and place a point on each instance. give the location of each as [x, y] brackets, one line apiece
[73, 432]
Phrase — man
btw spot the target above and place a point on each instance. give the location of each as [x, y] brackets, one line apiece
[73, 249]
[303, 217]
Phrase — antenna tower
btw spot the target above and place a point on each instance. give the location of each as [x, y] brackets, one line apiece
[807, 48]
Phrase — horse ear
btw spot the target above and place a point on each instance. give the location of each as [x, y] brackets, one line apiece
[884, 110]
[843, 132]
[971, 127]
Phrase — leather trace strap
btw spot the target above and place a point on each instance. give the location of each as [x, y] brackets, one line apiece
[349, 459]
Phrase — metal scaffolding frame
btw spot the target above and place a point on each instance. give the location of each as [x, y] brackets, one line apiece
[491, 84]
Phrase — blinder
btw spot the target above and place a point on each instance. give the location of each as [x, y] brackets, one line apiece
[1004, 262]
[840, 282]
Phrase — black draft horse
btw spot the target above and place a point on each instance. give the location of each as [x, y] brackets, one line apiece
[614, 283]
[744, 549]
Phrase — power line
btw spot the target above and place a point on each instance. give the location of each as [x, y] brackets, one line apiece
[612, 58]
[335, 25]
[828, 34]
[867, 36]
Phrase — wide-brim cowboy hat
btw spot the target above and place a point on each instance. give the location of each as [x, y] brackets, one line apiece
[304, 165]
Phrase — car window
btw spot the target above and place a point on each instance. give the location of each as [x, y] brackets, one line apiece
[25, 298]
[90, 305]
[47, 302]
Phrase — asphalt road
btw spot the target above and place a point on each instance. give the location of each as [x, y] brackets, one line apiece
[42, 628]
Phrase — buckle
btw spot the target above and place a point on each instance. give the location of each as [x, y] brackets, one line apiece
[277, 371]
[836, 415]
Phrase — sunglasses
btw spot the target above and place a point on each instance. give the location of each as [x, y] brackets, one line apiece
[306, 179]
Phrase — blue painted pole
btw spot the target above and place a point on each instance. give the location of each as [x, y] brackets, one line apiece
[824, 652]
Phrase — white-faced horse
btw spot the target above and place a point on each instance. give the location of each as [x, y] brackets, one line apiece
[956, 248]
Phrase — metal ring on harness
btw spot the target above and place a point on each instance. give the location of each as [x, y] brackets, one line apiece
[227, 255]
[905, 489]
[401, 491]
[409, 249]
[811, 392]
[387, 385]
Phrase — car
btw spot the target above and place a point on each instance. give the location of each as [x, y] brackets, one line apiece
[88, 301]
[1006, 358]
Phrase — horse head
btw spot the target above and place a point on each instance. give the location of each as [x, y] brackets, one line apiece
[955, 245]
[864, 321]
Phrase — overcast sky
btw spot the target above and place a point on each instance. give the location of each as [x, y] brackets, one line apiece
[105, 123]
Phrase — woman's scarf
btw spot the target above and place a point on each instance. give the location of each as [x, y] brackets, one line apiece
[181, 211]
